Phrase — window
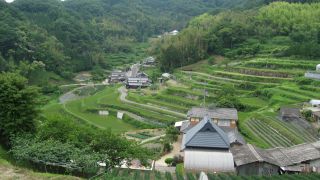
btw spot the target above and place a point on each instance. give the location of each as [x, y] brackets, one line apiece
[224, 122]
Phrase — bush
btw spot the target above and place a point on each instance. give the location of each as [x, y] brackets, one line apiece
[308, 115]
[178, 159]
[169, 161]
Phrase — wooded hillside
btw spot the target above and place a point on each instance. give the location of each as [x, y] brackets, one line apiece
[279, 29]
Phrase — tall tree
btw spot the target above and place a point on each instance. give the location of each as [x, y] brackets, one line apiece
[18, 107]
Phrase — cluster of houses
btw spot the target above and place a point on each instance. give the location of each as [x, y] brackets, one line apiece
[212, 143]
[133, 78]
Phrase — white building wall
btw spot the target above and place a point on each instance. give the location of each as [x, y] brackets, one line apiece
[208, 160]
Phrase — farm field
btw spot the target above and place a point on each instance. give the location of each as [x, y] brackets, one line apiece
[86, 110]
[262, 85]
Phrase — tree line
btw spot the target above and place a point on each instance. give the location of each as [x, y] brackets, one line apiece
[279, 29]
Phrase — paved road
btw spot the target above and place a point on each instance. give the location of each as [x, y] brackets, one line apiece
[123, 94]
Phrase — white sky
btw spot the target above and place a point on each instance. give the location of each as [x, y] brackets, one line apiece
[9, 1]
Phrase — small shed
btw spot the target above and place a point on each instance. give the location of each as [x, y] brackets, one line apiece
[316, 116]
[314, 103]
[289, 114]
[166, 75]
[250, 160]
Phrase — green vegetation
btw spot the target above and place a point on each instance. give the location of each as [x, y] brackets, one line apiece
[279, 29]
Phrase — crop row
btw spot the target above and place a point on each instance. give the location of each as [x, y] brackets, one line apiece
[246, 77]
[269, 134]
[279, 65]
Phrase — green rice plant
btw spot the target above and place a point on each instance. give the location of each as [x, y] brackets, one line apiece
[147, 175]
[168, 176]
[157, 175]
[190, 176]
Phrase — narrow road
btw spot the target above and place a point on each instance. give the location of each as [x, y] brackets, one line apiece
[123, 94]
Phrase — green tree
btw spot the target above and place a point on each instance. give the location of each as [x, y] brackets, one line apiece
[19, 106]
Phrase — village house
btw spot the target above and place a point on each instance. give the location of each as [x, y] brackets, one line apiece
[206, 148]
[117, 76]
[224, 117]
[149, 62]
[141, 80]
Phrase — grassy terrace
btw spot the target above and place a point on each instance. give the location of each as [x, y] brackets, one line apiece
[259, 124]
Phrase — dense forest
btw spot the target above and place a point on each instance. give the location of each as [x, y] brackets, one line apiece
[74, 35]
[280, 29]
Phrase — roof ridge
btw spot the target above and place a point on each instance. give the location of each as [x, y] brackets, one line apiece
[255, 153]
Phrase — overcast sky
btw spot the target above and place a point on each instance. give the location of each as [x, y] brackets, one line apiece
[9, 1]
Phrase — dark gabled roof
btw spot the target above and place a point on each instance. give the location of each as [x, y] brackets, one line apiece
[205, 135]
[219, 113]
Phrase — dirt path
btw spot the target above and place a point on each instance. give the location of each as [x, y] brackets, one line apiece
[123, 94]
[152, 139]
[160, 164]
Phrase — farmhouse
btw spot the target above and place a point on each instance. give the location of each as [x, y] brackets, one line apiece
[224, 117]
[140, 80]
[250, 160]
[206, 148]
[288, 114]
[149, 61]
[117, 76]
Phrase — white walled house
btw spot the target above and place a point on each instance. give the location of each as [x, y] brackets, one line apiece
[207, 148]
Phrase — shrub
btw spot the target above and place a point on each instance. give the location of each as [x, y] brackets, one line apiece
[177, 160]
[169, 161]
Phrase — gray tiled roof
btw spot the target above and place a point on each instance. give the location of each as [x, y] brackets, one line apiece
[233, 135]
[247, 154]
[288, 156]
[296, 154]
[205, 135]
[220, 113]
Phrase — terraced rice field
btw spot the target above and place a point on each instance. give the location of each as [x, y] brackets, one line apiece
[275, 76]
